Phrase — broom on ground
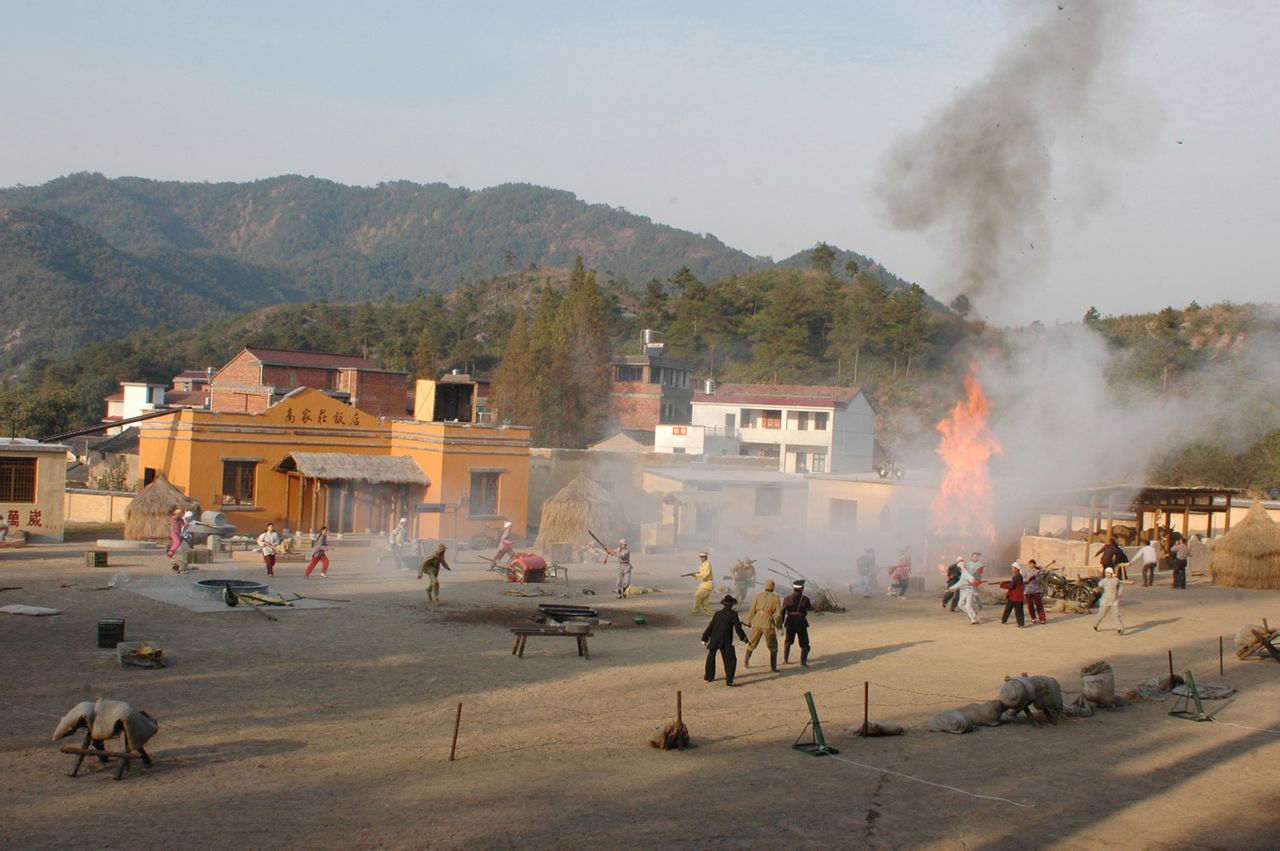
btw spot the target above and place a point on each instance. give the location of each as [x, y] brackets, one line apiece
[675, 735]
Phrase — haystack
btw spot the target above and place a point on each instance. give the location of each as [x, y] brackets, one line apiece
[1249, 555]
[579, 506]
[147, 517]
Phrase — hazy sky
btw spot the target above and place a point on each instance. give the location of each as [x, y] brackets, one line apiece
[766, 124]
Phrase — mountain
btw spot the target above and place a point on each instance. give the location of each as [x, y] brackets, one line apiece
[114, 255]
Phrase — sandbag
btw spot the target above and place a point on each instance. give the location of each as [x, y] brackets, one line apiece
[984, 714]
[1048, 694]
[105, 719]
[1098, 684]
[950, 721]
[1017, 693]
[1080, 707]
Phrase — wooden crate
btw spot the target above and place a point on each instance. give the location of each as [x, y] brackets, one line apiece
[95, 558]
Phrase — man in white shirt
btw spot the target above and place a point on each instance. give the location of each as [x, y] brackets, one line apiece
[1148, 558]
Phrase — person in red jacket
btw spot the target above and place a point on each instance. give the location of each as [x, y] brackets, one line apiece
[1014, 595]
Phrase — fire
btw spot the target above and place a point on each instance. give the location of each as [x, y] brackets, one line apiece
[963, 511]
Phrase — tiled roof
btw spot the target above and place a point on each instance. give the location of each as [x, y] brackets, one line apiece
[323, 360]
[780, 394]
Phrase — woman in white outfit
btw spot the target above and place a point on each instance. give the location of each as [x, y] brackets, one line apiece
[1110, 600]
[967, 587]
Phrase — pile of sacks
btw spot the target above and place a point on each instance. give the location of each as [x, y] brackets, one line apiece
[1020, 695]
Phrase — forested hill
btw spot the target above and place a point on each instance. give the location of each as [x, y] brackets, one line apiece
[121, 254]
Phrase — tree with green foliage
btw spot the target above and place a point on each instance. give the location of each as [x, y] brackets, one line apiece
[424, 356]
[514, 381]
[654, 306]
[961, 305]
[822, 257]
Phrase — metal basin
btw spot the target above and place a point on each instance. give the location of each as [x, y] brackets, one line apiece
[211, 589]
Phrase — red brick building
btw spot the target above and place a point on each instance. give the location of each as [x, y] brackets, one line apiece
[257, 378]
[646, 390]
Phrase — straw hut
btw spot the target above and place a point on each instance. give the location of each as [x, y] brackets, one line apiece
[147, 517]
[1249, 555]
[580, 506]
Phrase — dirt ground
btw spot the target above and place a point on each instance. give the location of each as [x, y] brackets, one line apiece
[331, 728]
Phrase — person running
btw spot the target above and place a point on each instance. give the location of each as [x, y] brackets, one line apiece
[319, 554]
[431, 567]
[268, 544]
[1148, 557]
[966, 588]
[180, 537]
[866, 572]
[1014, 595]
[953, 576]
[1110, 600]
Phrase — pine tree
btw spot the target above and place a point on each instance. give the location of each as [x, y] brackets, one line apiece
[424, 356]
[513, 381]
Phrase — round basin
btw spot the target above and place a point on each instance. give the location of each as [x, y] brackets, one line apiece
[211, 589]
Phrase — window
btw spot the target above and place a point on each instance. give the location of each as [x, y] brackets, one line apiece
[771, 419]
[798, 420]
[818, 462]
[747, 417]
[484, 495]
[624, 372]
[237, 482]
[17, 480]
[768, 502]
[820, 421]
[844, 514]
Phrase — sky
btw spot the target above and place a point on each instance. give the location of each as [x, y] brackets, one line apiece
[772, 126]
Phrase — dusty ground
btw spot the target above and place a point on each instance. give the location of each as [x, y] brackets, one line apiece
[331, 728]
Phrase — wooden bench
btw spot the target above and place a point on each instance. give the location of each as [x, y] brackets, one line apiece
[522, 635]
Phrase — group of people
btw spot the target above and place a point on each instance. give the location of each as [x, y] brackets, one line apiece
[1147, 559]
[768, 615]
[899, 574]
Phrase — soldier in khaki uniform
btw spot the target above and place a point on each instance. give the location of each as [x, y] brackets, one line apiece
[705, 578]
[765, 618]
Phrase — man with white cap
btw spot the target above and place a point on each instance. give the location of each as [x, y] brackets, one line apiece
[506, 549]
[398, 542]
[624, 567]
[966, 587]
[1110, 600]
[705, 578]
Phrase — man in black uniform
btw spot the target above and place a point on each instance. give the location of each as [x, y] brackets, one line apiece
[794, 618]
[719, 636]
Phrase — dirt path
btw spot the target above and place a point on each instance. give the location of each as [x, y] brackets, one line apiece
[331, 728]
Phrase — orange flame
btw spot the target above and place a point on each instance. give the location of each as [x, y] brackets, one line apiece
[963, 510]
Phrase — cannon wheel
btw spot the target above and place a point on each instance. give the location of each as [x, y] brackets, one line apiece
[1081, 595]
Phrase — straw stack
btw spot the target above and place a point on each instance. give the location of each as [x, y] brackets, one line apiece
[147, 517]
[1249, 555]
[578, 506]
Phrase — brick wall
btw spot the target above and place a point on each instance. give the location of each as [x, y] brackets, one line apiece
[383, 394]
[241, 400]
[244, 368]
[636, 410]
[289, 377]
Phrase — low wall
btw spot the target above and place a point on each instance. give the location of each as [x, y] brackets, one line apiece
[94, 506]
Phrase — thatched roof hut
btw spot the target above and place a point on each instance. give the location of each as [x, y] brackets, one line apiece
[1249, 555]
[147, 517]
[578, 506]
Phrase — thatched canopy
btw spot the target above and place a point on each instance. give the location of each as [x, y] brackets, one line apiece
[351, 467]
[147, 517]
[1249, 555]
[578, 506]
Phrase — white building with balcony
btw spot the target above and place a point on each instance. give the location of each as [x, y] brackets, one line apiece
[808, 429]
[695, 440]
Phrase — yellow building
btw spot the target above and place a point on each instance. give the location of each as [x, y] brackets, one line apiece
[312, 460]
[33, 479]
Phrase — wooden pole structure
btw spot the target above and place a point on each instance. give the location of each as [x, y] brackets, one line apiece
[1171, 668]
[315, 503]
[1227, 522]
[1221, 669]
[679, 719]
[866, 708]
[457, 719]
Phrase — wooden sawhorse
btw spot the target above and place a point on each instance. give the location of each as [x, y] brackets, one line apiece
[92, 747]
[522, 635]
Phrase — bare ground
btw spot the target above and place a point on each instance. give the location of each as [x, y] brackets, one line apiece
[331, 728]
